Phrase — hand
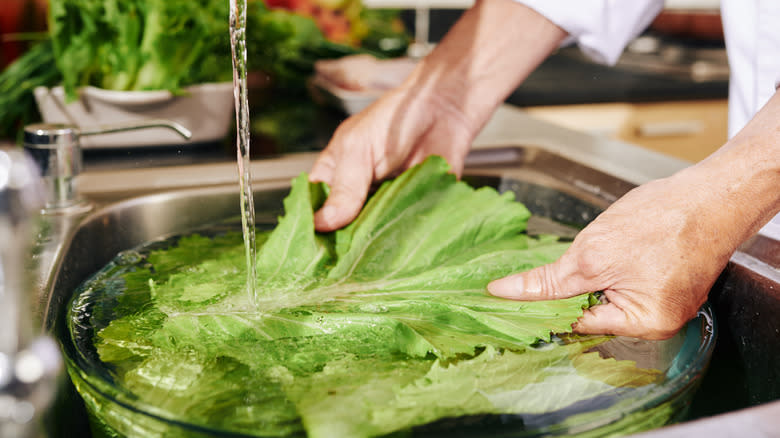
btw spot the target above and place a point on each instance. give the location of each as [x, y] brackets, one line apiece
[398, 131]
[658, 250]
[654, 254]
[439, 109]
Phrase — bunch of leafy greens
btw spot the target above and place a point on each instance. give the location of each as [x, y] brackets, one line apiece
[132, 45]
[139, 44]
[373, 329]
[168, 44]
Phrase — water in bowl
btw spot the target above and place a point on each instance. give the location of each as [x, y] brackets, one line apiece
[156, 382]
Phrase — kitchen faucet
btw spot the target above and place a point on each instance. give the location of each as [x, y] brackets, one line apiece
[57, 151]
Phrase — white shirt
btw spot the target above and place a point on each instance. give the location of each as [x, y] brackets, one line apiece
[602, 28]
[753, 42]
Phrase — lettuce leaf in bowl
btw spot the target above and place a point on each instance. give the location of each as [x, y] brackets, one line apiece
[376, 328]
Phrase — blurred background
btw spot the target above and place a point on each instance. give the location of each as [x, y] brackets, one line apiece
[667, 92]
[19, 17]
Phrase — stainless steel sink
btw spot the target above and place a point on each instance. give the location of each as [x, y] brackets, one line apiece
[74, 247]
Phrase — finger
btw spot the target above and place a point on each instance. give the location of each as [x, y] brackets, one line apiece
[454, 152]
[610, 319]
[550, 282]
[603, 319]
[324, 168]
[456, 161]
[453, 158]
[350, 183]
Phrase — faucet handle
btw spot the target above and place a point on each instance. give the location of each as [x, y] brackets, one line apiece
[143, 124]
[56, 149]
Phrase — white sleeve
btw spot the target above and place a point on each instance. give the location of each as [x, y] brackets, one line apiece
[601, 28]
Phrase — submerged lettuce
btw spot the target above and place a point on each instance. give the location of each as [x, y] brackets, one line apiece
[373, 329]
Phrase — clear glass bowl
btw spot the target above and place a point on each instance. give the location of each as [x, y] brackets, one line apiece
[115, 411]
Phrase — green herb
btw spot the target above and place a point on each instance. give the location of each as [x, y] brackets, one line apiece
[140, 44]
[34, 68]
[376, 328]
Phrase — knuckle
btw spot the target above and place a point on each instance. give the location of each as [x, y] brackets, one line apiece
[587, 257]
[549, 282]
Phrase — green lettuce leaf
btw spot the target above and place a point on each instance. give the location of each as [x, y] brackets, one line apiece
[376, 328]
[417, 261]
[531, 382]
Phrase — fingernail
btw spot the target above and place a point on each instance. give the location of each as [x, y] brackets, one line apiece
[326, 212]
[322, 218]
[507, 287]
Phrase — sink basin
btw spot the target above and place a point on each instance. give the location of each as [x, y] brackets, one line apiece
[551, 187]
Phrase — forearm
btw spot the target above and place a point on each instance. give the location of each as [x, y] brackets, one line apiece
[740, 181]
[493, 47]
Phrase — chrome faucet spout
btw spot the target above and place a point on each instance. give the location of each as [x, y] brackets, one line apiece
[131, 126]
[29, 363]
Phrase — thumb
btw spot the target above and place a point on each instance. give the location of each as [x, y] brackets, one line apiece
[554, 281]
[348, 192]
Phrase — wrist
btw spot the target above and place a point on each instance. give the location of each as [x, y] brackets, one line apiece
[493, 47]
[736, 188]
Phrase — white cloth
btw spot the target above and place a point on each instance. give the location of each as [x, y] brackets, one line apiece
[602, 29]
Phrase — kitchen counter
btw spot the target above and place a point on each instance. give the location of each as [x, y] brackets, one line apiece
[208, 165]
